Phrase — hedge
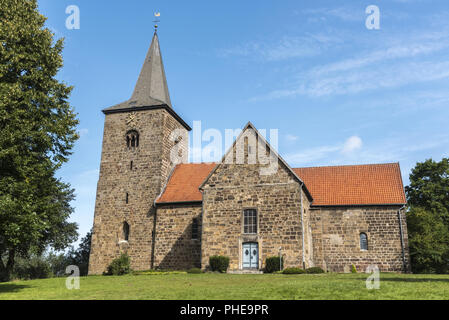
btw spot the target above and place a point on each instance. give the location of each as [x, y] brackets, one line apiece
[219, 263]
[294, 271]
[273, 264]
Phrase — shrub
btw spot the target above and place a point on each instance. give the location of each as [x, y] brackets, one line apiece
[195, 270]
[294, 271]
[314, 270]
[119, 266]
[272, 264]
[36, 267]
[353, 269]
[157, 272]
[219, 263]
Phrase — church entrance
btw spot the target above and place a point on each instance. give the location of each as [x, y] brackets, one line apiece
[250, 255]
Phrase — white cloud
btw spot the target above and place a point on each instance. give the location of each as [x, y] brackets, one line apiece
[352, 82]
[314, 154]
[396, 61]
[286, 48]
[382, 151]
[352, 144]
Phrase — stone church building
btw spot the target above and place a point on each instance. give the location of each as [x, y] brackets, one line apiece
[170, 214]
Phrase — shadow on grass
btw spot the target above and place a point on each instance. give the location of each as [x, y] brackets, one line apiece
[414, 279]
[11, 287]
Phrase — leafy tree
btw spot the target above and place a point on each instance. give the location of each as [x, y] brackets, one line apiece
[429, 187]
[37, 133]
[80, 257]
[428, 217]
[428, 241]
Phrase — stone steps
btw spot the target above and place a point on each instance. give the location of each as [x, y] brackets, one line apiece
[245, 272]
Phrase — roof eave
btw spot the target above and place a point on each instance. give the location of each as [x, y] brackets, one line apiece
[143, 108]
[358, 205]
[179, 202]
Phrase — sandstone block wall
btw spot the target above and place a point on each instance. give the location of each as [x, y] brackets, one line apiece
[142, 182]
[174, 247]
[336, 238]
[234, 188]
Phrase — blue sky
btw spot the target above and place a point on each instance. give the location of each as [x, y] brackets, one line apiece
[338, 92]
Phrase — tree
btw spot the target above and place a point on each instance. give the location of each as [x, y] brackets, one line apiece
[428, 217]
[80, 257]
[37, 133]
[428, 241]
[429, 187]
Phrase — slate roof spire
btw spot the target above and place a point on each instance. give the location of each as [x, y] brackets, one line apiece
[151, 88]
[152, 83]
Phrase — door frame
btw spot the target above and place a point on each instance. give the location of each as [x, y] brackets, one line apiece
[256, 245]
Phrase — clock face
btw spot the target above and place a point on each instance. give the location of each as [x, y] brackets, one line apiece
[131, 120]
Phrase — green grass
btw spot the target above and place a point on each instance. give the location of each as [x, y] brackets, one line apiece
[227, 286]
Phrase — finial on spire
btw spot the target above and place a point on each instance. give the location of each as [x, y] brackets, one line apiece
[157, 15]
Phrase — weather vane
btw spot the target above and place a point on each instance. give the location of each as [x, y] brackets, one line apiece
[156, 21]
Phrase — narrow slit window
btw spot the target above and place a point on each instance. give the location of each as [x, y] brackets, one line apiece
[195, 233]
[125, 231]
[363, 241]
[127, 198]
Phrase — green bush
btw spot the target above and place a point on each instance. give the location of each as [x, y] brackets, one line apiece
[294, 271]
[219, 263]
[195, 270]
[272, 264]
[157, 272]
[353, 269]
[314, 270]
[119, 266]
[36, 267]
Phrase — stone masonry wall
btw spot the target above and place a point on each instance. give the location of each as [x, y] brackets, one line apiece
[230, 190]
[174, 247]
[142, 182]
[336, 233]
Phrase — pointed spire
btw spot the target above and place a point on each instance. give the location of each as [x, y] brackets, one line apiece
[152, 83]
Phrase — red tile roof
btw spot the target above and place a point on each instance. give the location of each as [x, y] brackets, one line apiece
[377, 184]
[354, 185]
[184, 183]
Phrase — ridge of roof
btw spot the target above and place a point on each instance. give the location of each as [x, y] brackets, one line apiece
[330, 186]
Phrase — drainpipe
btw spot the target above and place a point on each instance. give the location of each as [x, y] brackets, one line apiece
[302, 227]
[402, 239]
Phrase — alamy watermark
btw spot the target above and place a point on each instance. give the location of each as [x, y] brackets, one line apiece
[373, 20]
[373, 281]
[241, 146]
[73, 280]
[73, 21]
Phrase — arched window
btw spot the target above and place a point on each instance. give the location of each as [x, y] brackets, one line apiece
[195, 233]
[132, 139]
[363, 241]
[125, 231]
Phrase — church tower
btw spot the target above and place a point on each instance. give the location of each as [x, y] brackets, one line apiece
[143, 140]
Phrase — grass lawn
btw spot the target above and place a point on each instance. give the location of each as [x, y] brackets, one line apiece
[227, 286]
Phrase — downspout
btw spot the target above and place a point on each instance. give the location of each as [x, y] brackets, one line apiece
[302, 227]
[402, 239]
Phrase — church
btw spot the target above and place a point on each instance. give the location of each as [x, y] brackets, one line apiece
[166, 213]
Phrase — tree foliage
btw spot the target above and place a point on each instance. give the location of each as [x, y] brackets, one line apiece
[37, 133]
[80, 257]
[428, 216]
